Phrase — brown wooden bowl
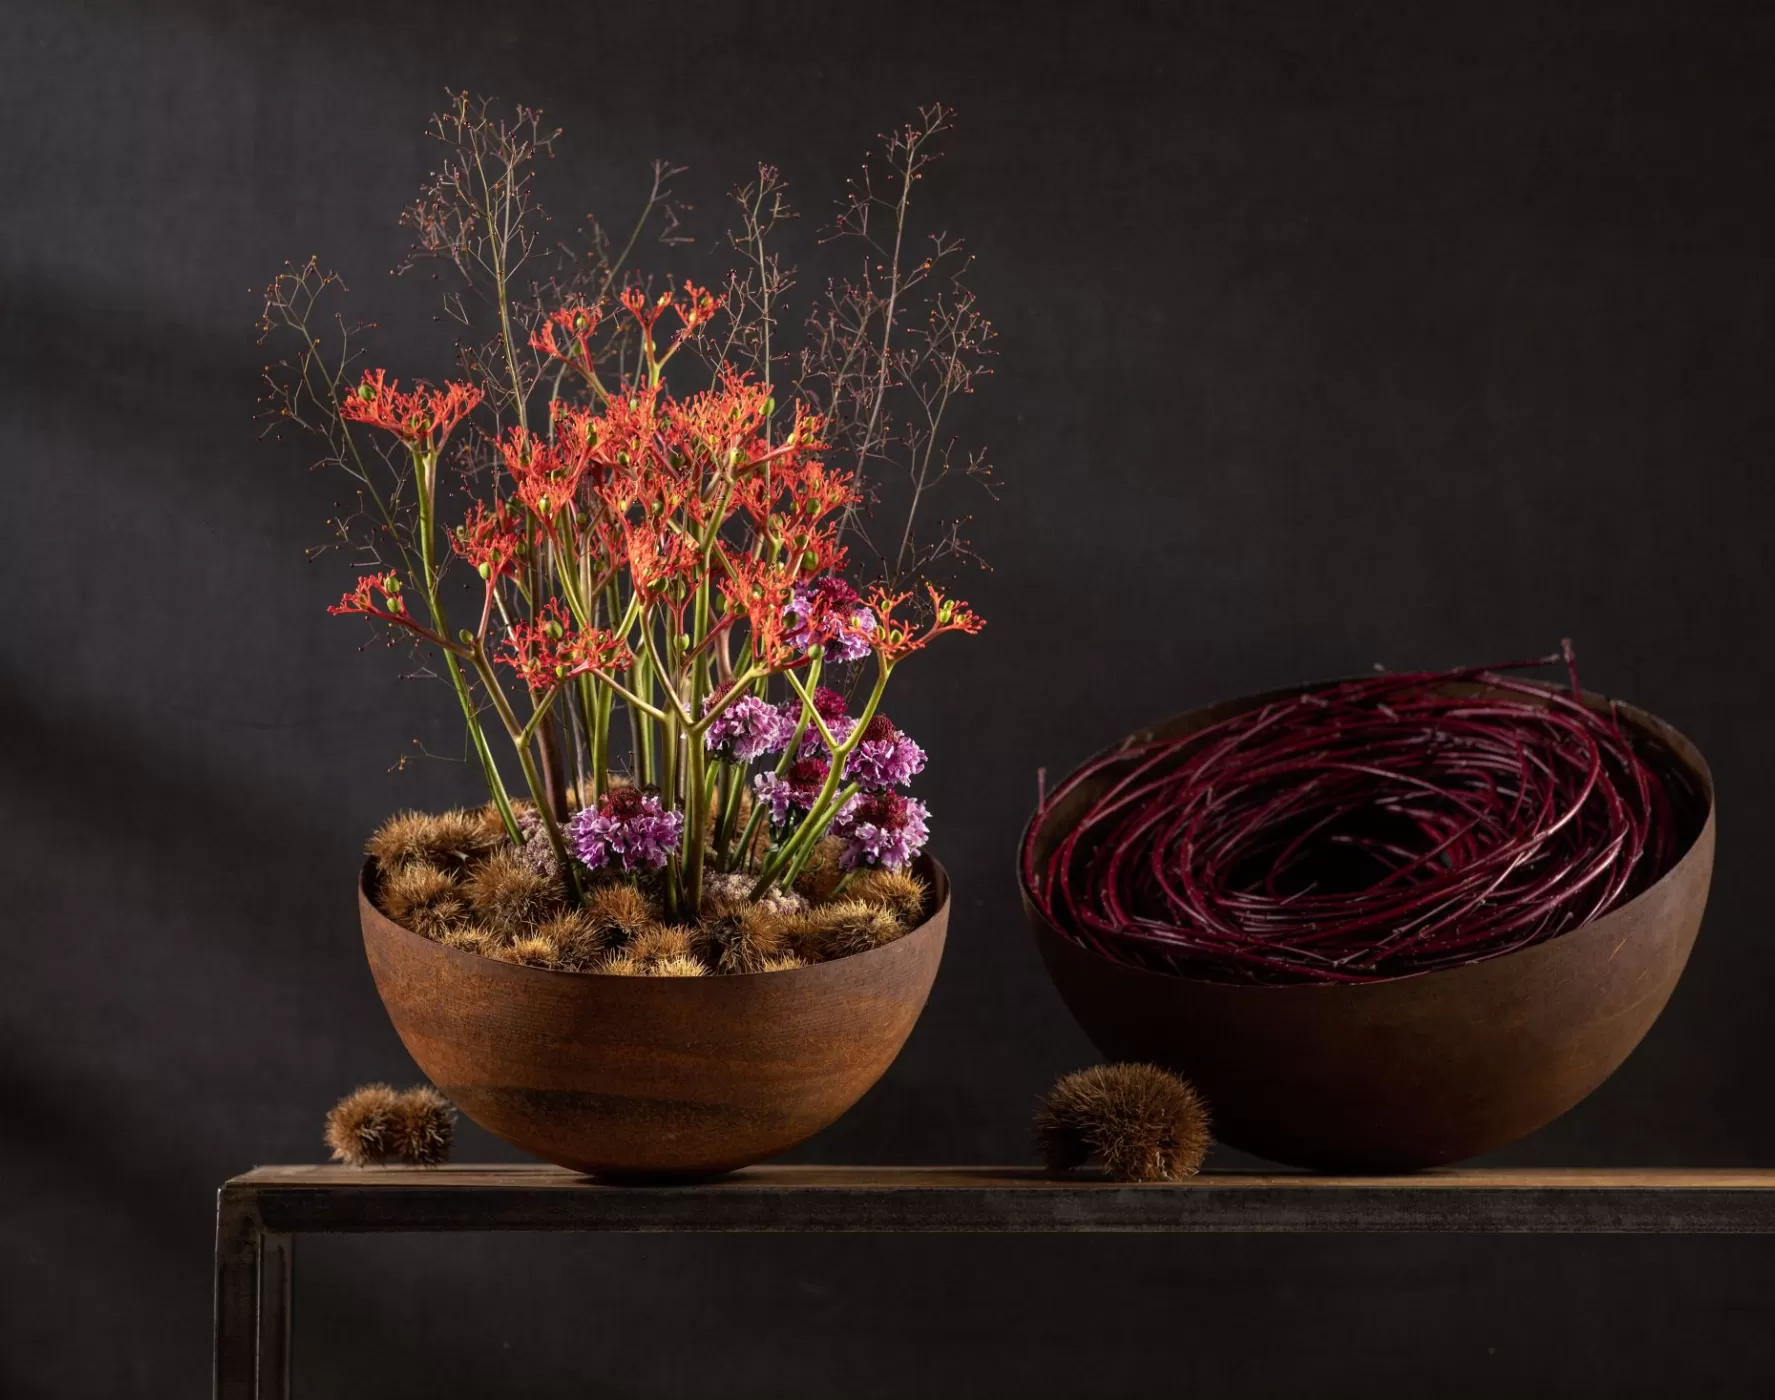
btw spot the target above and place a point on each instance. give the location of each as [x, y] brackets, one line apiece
[1394, 1076]
[653, 1077]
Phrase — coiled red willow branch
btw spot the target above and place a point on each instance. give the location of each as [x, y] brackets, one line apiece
[1367, 830]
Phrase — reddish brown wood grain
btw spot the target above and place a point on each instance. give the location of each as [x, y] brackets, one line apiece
[653, 1076]
[1417, 1072]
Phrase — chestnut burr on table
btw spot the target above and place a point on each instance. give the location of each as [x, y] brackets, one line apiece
[258, 1215]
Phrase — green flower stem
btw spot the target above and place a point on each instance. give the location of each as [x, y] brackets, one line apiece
[807, 709]
[603, 700]
[724, 786]
[635, 702]
[820, 816]
[819, 825]
[750, 836]
[736, 692]
[668, 788]
[483, 751]
[520, 736]
[586, 697]
[664, 671]
[696, 801]
[640, 731]
[425, 475]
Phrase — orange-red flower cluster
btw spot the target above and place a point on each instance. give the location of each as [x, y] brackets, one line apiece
[491, 540]
[660, 556]
[360, 599]
[697, 307]
[550, 649]
[567, 336]
[895, 638]
[760, 591]
[644, 483]
[423, 418]
[548, 474]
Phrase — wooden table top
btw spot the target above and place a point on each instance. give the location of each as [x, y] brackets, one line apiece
[295, 1199]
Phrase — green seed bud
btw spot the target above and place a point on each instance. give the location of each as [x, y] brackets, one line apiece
[485, 570]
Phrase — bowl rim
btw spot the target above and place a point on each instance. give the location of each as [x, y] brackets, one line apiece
[925, 865]
[1679, 744]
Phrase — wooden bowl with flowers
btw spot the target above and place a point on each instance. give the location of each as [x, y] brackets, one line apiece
[694, 921]
[604, 1039]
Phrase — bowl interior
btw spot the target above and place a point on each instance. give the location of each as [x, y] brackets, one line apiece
[1688, 781]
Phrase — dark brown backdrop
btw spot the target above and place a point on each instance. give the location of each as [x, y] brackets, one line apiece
[1332, 335]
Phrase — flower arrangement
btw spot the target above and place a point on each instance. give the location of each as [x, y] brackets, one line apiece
[656, 547]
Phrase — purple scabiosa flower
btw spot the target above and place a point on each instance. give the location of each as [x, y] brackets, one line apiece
[792, 791]
[830, 706]
[883, 757]
[626, 829]
[828, 611]
[748, 729]
[881, 828]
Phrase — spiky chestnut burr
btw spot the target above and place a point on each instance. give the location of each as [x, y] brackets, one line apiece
[362, 1127]
[1143, 1123]
[425, 1127]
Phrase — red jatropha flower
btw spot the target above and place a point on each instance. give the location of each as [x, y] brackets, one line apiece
[594, 649]
[547, 476]
[567, 335]
[697, 308]
[723, 425]
[576, 436]
[422, 419]
[896, 638]
[394, 607]
[491, 540]
[628, 431]
[790, 495]
[760, 591]
[550, 649]
[659, 556]
[635, 302]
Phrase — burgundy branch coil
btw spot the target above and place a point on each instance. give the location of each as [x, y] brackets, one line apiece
[1367, 830]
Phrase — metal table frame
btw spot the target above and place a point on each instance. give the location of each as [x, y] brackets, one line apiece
[258, 1215]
